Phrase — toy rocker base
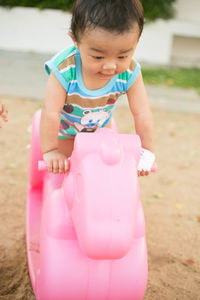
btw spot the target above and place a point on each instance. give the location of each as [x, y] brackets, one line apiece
[86, 229]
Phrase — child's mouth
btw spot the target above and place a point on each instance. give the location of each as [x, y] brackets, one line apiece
[105, 75]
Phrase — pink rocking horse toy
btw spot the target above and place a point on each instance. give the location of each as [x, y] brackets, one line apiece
[86, 229]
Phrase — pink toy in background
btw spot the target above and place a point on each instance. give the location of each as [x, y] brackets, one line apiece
[86, 229]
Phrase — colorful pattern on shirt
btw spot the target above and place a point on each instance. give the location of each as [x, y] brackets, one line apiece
[86, 110]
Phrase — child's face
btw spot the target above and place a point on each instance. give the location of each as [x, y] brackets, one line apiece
[105, 54]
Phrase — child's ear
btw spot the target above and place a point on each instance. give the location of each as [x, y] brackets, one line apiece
[73, 39]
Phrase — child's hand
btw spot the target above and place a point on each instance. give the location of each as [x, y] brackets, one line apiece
[3, 113]
[146, 161]
[56, 161]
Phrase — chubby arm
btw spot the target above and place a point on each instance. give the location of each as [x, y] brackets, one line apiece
[140, 108]
[49, 126]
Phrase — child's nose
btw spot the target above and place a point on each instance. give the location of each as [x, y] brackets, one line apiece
[109, 66]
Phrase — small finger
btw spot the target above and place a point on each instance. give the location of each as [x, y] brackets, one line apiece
[142, 173]
[55, 166]
[3, 109]
[61, 166]
[66, 162]
[4, 117]
[50, 166]
[3, 113]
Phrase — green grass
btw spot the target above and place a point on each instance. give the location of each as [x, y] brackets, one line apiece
[173, 77]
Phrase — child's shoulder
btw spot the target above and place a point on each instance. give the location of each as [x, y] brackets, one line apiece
[63, 66]
[131, 73]
[133, 67]
[62, 60]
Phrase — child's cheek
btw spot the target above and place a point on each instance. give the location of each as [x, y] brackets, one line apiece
[95, 68]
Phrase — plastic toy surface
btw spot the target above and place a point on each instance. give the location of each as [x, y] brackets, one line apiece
[86, 230]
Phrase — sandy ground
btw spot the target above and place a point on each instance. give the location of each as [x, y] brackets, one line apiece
[171, 201]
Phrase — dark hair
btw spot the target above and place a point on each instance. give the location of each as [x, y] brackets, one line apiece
[112, 15]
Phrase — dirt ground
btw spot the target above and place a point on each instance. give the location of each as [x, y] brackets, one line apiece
[171, 201]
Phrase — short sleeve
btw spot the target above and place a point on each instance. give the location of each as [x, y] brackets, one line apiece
[63, 66]
[130, 75]
[133, 73]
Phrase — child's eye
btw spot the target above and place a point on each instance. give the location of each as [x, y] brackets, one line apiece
[98, 57]
[122, 57]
